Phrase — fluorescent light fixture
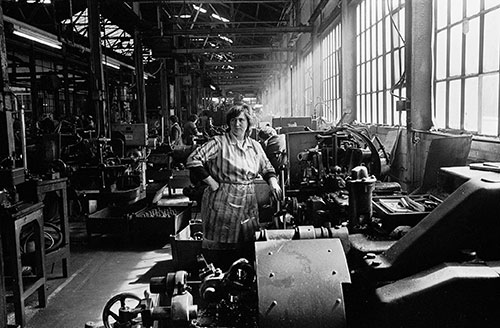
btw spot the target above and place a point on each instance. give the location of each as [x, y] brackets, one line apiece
[111, 65]
[201, 10]
[225, 39]
[185, 16]
[40, 39]
[225, 20]
[32, 33]
[212, 87]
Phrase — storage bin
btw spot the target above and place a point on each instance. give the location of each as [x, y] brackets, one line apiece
[158, 223]
[186, 246]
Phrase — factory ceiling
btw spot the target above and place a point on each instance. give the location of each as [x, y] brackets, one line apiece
[237, 43]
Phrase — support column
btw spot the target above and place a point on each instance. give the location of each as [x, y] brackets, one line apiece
[419, 62]
[139, 71]
[164, 99]
[97, 85]
[35, 115]
[348, 62]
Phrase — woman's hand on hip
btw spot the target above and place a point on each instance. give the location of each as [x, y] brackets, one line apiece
[276, 192]
[212, 184]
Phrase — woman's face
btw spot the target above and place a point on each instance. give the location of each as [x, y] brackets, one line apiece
[239, 125]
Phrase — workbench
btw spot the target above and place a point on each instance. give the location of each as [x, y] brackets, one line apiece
[3, 299]
[37, 190]
[12, 222]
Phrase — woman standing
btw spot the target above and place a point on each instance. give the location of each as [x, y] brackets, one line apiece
[229, 164]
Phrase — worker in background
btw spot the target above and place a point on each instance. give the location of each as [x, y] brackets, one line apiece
[175, 133]
[274, 146]
[229, 164]
[190, 130]
[203, 122]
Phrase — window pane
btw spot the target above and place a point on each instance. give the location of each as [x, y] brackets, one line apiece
[490, 3]
[363, 43]
[363, 16]
[456, 10]
[363, 72]
[491, 40]
[373, 49]
[388, 31]
[368, 79]
[472, 47]
[368, 118]
[456, 50]
[440, 108]
[388, 70]
[380, 44]
[380, 74]
[471, 104]
[441, 55]
[442, 12]
[489, 100]
[472, 7]
[380, 97]
[388, 99]
[374, 75]
[401, 25]
[454, 104]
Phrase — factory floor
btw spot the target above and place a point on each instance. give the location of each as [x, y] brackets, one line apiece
[106, 266]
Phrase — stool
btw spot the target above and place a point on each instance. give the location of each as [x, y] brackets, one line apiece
[11, 226]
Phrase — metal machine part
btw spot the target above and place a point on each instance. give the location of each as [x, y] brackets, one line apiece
[464, 220]
[128, 310]
[360, 188]
[306, 232]
[300, 283]
[448, 295]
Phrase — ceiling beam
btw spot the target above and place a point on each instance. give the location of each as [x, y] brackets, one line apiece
[236, 50]
[238, 22]
[262, 74]
[209, 1]
[244, 63]
[242, 30]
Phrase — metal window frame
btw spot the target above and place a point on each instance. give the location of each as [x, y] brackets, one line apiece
[463, 76]
[331, 45]
[370, 93]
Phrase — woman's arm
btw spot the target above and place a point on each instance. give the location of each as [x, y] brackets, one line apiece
[198, 159]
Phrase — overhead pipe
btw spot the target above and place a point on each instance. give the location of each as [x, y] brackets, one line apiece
[242, 30]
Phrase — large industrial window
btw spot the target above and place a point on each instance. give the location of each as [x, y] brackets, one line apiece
[466, 69]
[331, 109]
[308, 84]
[380, 61]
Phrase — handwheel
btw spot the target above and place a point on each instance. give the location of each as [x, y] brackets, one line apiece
[121, 303]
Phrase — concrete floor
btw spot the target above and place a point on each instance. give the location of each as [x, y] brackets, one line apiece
[98, 271]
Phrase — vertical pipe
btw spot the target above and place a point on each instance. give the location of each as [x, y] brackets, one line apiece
[33, 87]
[23, 137]
[96, 70]
[291, 91]
[139, 71]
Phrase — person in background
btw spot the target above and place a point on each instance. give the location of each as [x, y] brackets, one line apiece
[229, 165]
[274, 146]
[203, 122]
[190, 130]
[175, 134]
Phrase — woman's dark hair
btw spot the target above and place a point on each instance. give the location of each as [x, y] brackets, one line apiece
[173, 119]
[235, 111]
[193, 117]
